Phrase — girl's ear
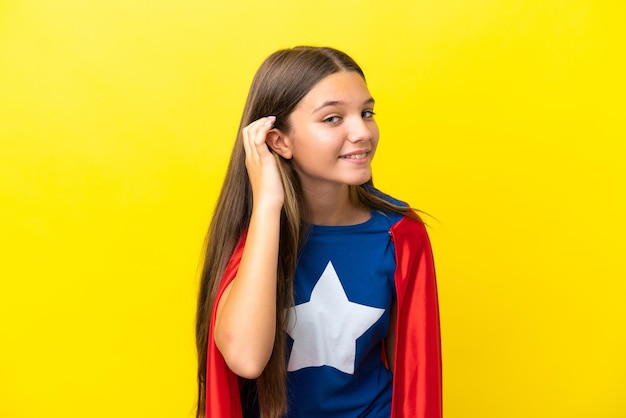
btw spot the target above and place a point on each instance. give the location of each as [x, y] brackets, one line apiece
[279, 143]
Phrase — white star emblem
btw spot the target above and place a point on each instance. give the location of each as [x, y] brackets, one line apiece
[326, 328]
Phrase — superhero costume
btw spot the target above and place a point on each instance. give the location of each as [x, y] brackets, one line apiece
[416, 390]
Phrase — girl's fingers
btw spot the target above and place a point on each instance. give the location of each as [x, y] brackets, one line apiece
[255, 134]
[261, 165]
[264, 129]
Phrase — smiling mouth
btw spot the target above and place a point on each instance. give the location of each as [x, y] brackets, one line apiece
[354, 156]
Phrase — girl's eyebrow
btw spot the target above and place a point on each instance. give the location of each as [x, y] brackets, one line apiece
[369, 101]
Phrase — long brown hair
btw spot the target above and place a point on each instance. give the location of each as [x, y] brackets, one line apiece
[281, 82]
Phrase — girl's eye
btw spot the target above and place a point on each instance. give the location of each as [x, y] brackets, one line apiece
[332, 119]
[367, 114]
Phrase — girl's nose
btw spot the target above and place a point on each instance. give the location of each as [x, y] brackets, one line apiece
[358, 130]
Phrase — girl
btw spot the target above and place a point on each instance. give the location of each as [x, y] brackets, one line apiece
[318, 294]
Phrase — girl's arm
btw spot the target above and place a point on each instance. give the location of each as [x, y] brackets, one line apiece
[245, 324]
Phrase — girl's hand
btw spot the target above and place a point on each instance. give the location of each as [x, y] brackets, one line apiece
[267, 187]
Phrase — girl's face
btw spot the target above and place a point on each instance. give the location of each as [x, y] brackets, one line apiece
[333, 134]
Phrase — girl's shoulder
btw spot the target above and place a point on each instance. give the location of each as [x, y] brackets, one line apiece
[401, 214]
[384, 196]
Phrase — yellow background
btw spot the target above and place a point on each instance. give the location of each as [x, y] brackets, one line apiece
[504, 119]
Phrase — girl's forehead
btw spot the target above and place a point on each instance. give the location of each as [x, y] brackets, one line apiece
[341, 88]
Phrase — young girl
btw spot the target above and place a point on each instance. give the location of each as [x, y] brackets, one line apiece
[318, 294]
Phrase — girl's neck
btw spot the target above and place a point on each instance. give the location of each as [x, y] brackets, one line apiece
[333, 207]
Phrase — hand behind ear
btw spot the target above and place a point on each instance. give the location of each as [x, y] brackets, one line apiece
[263, 172]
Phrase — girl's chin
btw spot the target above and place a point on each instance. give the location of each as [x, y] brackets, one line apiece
[359, 182]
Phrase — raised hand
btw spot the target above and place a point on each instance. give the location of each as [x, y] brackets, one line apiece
[245, 323]
[267, 187]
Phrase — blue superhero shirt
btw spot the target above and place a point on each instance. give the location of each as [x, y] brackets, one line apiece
[343, 291]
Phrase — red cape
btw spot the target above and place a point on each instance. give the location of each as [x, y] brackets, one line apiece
[417, 361]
